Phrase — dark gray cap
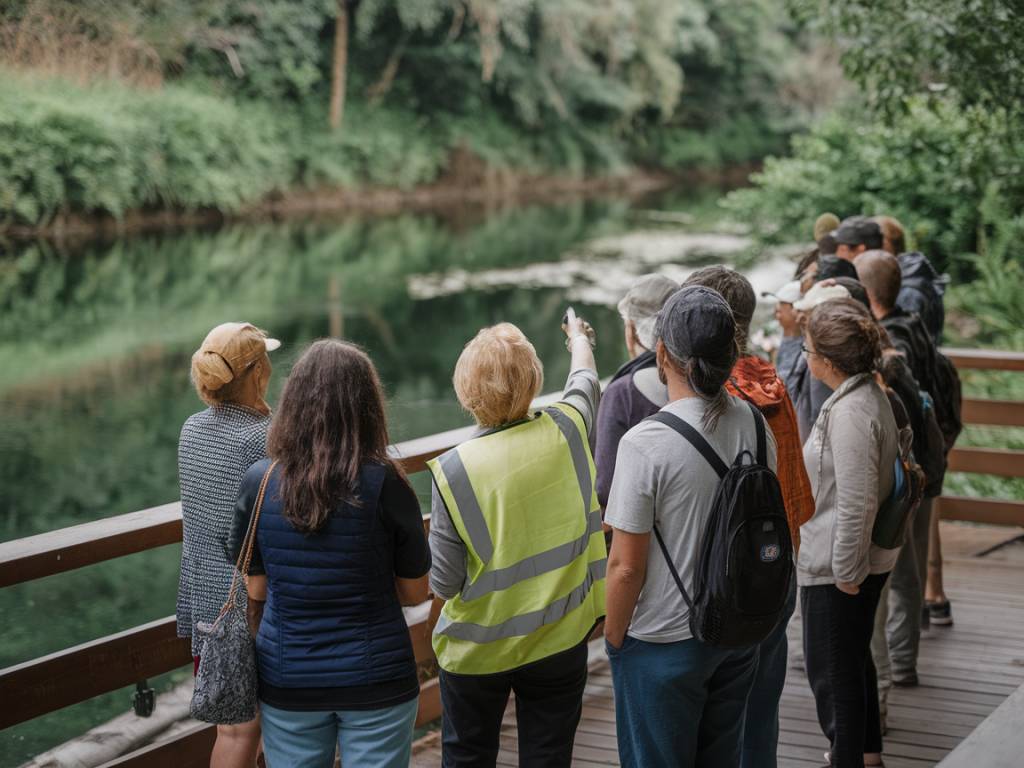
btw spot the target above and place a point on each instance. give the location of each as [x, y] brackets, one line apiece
[858, 230]
[696, 322]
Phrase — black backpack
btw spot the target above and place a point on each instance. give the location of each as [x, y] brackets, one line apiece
[921, 291]
[744, 566]
[935, 373]
[948, 399]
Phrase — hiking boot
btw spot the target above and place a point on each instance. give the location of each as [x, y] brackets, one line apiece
[940, 613]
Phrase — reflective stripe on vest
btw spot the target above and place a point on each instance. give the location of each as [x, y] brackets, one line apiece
[525, 623]
[548, 462]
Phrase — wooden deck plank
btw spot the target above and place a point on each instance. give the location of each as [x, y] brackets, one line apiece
[967, 671]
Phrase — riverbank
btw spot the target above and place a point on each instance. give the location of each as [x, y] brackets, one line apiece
[104, 159]
[468, 189]
[493, 189]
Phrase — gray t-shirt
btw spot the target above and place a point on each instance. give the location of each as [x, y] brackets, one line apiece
[447, 550]
[661, 478]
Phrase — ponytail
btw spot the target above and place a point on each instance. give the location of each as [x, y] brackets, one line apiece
[707, 377]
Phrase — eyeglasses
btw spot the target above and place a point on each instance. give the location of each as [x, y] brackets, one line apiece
[806, 351]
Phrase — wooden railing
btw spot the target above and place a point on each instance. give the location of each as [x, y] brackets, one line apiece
[109, 663]
[987, 461]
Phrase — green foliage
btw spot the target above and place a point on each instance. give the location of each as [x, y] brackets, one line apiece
[972, 50]
[735, 55]
[225, 101]
[272, 50]
[383, 147]
[994, 300]
[930, 168]
[545, 60]
[111, 149]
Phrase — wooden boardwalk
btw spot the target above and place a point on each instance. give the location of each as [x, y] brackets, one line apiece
[966, 671]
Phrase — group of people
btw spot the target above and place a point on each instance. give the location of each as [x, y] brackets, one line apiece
[547, 521]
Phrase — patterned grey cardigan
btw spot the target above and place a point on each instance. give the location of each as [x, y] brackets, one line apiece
[216, 447]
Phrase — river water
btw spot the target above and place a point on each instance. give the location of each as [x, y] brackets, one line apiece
[95, 344]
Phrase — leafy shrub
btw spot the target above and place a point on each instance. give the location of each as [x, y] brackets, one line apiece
[111, 149]
[930, 168]
[384, 147]
[995, 298]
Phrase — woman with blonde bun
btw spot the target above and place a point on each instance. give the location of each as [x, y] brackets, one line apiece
[230, 371]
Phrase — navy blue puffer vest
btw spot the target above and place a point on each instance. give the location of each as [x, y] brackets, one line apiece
[332, 616]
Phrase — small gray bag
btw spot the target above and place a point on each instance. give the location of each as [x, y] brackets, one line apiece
[226, 683]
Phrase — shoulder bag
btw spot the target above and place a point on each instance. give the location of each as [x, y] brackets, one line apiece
[226, 683]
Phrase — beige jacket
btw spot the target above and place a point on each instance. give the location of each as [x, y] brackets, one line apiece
[850, 457]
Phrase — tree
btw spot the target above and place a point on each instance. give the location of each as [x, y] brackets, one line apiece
[969, 50]
[339, 68]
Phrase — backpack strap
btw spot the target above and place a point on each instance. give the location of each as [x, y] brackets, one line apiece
[762, 437]
[694, 438]
[672, 569]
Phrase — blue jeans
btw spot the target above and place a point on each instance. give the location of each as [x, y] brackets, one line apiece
[381, 738]
[761, 724]
[680, 705]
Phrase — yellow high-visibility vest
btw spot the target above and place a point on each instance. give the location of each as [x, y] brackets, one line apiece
[524, 502]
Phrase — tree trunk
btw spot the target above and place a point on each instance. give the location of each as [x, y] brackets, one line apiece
[340, 65]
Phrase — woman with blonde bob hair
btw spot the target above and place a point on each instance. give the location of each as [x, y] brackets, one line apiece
[231, 373]
[518, 552]
[498, 375]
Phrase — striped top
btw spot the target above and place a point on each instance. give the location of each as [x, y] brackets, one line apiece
[216, 447]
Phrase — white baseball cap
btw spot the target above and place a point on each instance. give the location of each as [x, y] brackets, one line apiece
[787, 294]
[819, 294]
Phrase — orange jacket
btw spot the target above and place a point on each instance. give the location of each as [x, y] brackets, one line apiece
[756, 380]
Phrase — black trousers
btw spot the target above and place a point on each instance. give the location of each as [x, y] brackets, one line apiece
[837, 654]
[549, 702]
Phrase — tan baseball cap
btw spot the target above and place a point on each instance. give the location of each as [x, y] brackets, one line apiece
[238, 344]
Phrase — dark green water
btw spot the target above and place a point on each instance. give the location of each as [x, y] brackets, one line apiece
[94, 352]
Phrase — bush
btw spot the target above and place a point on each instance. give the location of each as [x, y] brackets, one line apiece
[995, 299]
[930, 168]
[112, 149]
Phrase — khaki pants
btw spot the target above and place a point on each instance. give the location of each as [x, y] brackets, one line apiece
[898, 621]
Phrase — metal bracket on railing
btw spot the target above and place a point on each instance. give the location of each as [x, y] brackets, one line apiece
[144, 699]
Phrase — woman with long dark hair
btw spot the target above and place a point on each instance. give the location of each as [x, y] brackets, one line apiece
[339, 549]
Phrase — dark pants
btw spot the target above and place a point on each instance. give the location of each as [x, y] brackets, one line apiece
[680, 705]
[549, 702]
[837, 654]
[761, 722]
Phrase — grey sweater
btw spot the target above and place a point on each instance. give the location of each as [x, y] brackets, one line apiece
[850, 457]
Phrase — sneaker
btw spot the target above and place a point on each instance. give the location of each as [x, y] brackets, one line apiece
[940, 613]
